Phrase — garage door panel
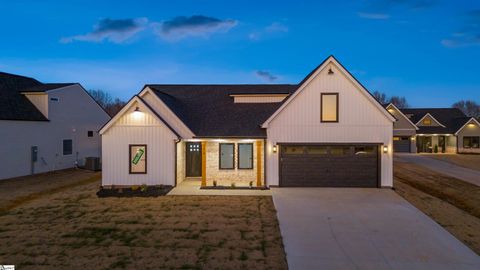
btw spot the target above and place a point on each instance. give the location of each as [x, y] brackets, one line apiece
[329, 166]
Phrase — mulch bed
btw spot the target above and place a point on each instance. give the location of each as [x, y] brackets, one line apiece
[230, 187]
[155, 191]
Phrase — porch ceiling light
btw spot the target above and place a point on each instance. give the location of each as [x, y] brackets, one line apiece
[274, 148]
[471, 125]
[385, 149]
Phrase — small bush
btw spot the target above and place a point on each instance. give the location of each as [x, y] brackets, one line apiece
[250, 184]
[214, 183]
[144, 188]
[232, 185]
[133, 188]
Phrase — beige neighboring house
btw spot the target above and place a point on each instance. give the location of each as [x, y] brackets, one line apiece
[419, 130]
[46, 126]
[326, 131]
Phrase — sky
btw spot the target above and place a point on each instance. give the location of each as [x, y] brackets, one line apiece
[425, 50]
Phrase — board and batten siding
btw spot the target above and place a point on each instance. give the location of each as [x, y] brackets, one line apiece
[360, 121]
[144, 129]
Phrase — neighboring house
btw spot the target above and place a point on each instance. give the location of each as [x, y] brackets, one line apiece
[46, 127]
[326, 131]
[420, 130]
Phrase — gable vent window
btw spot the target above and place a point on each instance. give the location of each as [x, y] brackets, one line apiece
[329, 107]
[90, 133]
[427, 121]
[54, 99]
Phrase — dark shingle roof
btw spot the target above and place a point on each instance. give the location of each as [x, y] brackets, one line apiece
[46, 87]
[451, 118]
[13, 104]
[209, 111]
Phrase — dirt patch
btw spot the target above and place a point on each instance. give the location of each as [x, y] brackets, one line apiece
[469, 161]
[74, 229]
[460, 194]
[452, 203]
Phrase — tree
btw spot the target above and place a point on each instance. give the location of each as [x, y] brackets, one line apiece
[381, 97]
[106, 101]
[399, 102]
[468, 107]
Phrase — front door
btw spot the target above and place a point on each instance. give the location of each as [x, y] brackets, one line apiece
[194, 159]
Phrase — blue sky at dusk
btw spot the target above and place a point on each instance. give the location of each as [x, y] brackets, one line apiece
[425, 50]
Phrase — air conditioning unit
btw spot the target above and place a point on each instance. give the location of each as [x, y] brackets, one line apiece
[92, 163]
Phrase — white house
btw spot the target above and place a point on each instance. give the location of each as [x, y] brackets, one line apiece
[326, 131]
[45, 127]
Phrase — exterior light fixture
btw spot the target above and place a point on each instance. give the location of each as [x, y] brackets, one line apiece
[137, 109]
[274, 148]
[137, 114]
[330, 71]
[471, 125]
[385, 149]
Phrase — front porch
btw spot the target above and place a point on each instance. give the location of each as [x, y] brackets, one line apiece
[436, 143]
[220, 162]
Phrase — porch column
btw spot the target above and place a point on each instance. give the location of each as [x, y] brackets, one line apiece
[259, 163]
[204, 163]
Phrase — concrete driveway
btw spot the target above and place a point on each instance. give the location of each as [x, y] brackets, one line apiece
[339, 228]
[465, 174]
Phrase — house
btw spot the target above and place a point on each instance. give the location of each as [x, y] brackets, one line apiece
[422, 130]
[46, 126]
[326, 131]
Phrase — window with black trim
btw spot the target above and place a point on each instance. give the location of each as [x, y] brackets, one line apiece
[227, 156]
[245, 155]
[90, 133]
[329, 107]
[67, 147]
[471, 142]
[137, 159]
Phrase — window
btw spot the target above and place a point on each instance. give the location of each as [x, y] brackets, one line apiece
[245, 155]
[137, 159]
[292, 150]
[67, 147]
[471, 142]
[54, 99]
[317, 150]
[90, 133]
[227, 154]
[427, 121]
[329, 107]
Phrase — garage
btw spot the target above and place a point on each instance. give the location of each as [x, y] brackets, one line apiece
[329, 165]
[401, 144]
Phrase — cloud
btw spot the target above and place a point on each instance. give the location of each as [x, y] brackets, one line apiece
[373, 16]
[469, 35]
[265, 75]
[113, 30]
[198, 25]
[269, 30]
[381, 9]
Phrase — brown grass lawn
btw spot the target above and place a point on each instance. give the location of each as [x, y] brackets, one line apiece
[464, 160]
[452, 203]
[73, 229]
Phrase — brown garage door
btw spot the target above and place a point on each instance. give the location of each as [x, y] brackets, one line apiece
[329, 165]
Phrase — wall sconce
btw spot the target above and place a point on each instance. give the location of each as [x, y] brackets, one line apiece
[385, 149]
[413, 138]
[330, 71]
[274, 148]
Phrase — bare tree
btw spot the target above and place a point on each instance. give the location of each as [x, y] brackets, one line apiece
[381, 97]
[104, 99]
[468, 107]
[399, 102]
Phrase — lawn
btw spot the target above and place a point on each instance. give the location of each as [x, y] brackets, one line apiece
[470, 161]
[70, 228]
[453, 203]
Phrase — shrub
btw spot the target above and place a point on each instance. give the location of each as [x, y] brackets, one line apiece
[143, 188]
[250, 184]
[214, 183]
[233, 185]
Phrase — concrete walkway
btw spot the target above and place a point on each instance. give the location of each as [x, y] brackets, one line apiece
[343, 228]
[441, 166]
[192, 187]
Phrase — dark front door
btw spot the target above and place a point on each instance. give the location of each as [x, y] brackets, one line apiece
[329, 166]
[194, 159]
